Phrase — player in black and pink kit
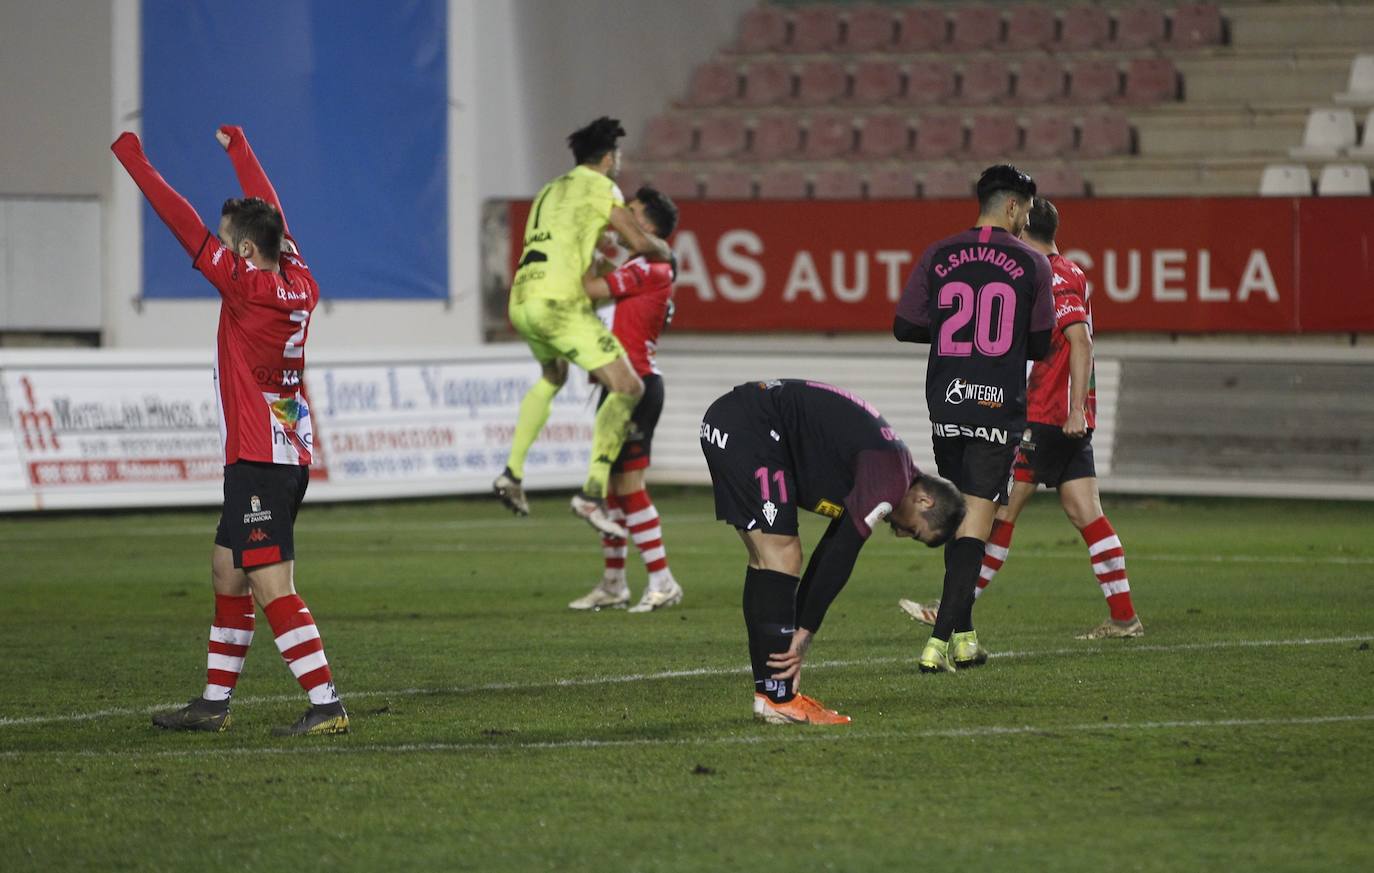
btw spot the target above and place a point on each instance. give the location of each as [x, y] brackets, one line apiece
[777, 447]
[982, 299]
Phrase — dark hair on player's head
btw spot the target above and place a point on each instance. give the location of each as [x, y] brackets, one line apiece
[589, 144]
[1043, 223]
[1003, 179]
[947, 512]
[660, 208]
[257, 221]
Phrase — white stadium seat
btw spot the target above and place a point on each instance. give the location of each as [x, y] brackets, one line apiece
[1366, 147]
[1286, 180]
[1328, 133]
[1360, 90]
[1343, 180]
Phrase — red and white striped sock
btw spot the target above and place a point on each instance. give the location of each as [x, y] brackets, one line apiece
[994, 554]
[1109, 565]
[614, 548]
[230, 636]
[642, 519]
[301, 647]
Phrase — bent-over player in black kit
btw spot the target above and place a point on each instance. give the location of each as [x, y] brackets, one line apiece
[983, 301]
[787, 444]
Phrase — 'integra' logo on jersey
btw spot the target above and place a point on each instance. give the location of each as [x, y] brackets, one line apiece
[990, 434]
[990, 396]
[714, 435]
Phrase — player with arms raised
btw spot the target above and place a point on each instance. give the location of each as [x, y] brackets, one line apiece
[266, 296]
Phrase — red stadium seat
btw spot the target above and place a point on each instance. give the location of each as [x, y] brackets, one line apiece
[987, 80]
[837, 184]
[729, 185]
[767, 83]
[1083, 27]
[762, 29]
[939, 136]
[1196, 24]
[1039, 79]
[1059, 181]
[994, 136]
[776, 136]
[1049, 136]
[871, 29]
[1103, 134]
[923, 28]
[677, 184]
[876, 82]
[782, 185]
[885, 136]
[893, 183]
[1094, 81]
[1150, 80]
[929, 82]
[1029, 27]
[721, 136]
[975, 27]
[946, 183]
[1138, 26]
[713, 83]
[821, 82]
[667, 136]
[829, 135]
[814, 29]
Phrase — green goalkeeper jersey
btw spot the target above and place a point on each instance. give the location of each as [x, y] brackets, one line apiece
[565, 222]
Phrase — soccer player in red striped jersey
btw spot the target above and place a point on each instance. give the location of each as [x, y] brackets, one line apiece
[1056, 449]
[266, 296]
[636, 304]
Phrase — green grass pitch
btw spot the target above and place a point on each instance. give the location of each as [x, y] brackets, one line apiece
[495, 730]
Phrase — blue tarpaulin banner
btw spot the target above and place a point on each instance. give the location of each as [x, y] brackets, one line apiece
[346, 107]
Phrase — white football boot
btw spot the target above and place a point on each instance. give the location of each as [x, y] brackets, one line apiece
[659, 598]
[608, 594]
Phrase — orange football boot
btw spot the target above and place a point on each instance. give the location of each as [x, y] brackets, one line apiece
[799, 710]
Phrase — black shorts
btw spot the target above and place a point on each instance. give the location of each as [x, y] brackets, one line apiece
[259, 516]
[750, 471]
[1049, 457]
[978, 466]
[634, 455]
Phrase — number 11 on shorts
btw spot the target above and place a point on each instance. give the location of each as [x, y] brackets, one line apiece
[762, 474]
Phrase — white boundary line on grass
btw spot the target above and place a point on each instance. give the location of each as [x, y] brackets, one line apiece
[1113, 648]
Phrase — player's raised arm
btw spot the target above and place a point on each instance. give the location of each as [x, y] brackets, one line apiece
[175, 212]
[252, 178]
[634, 236]
[633, 278]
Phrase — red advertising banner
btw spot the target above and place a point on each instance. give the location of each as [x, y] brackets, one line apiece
[1187, 265]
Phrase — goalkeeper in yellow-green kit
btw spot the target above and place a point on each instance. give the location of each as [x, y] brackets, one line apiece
[550, 309]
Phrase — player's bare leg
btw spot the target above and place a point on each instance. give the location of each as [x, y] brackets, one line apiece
[953, 642]
[623, 390]
[1083, 506]
[642, 521]
[534, 413]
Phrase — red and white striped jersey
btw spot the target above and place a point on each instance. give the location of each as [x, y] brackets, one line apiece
[1047, 389]
[637, 319]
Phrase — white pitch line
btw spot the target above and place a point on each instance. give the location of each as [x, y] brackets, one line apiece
[768, 736]
[1111, 649]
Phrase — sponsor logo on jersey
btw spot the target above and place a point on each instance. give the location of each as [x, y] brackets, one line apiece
[825, 507]
[256, 514]
[988, 434]
[288, 296]
[990, 396]
[770, 512]
[714, 435]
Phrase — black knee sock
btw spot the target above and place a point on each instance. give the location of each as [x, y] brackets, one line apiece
[963, 560]
[770, 608]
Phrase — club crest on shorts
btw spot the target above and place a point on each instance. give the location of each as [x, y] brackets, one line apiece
[254, 504]
[256, 514]
[770, 512]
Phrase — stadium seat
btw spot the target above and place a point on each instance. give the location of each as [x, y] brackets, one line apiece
[729, 185]
[829, 135]
[884, 136]
[1196, 24]
[1360, 89]
[984, 81]
[1049, 136]
[1083, 27]
[1059, 180]
[1096, 80]
[837, 184]
[767, 83]
[667, 136]
[1029, 27]
[814, 29]
[939, 136]
[821, 82]
[677, 184]
[1039, 79]
[923, 28]
[1343, 180]
[1328, 133]
[776, 136]
[782, 185]
[929, 82]
[1138, 26]
[1365, 149]
[721, 136]
[994, 136]
[1285, 180]
[713, 83]
[762, 29]
[876, 82]
[975, 27]
[871, 29]
[1150, 80]
[891, 183]
[947, 183]
[1104, 134]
